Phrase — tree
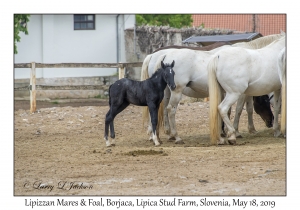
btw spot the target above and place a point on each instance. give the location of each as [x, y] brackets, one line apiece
[20, 25]
[176, 21]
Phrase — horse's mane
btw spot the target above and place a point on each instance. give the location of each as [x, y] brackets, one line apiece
[260, 42]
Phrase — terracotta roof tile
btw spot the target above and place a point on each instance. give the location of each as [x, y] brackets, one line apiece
[265, 24]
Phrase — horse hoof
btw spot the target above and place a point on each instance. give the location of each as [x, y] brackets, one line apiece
[223, 135]
[167, 132]
[171, 138]
[179, 142]
[221, 141]
[232, 142]
[253, 131]
[277, 133]
[239, 136]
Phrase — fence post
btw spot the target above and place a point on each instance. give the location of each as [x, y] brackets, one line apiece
[32, 89]
[121, 72]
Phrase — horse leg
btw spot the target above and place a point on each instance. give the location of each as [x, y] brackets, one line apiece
[154, 119]
[150, 130]
[277, 100]
[224, 128]
[172, 107]
[238, 112]
[106, 130]
[166, 124]
[166, 100]
[109, 121]
[249, 109]
[223, 108]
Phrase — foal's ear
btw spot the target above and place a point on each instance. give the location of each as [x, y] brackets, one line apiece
[172, 64]
[162, 64]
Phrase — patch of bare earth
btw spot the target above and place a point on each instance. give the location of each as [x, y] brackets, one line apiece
[58, 146]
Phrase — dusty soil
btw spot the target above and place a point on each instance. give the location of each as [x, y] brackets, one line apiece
[61, 146]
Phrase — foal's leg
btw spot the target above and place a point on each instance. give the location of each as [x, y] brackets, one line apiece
[153, 109]
[172, 107]
[166, 100]
[277, 101]
[223, 108]
[110, 116]
[107, 123]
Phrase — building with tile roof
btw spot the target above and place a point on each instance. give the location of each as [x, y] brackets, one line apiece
[264, 24]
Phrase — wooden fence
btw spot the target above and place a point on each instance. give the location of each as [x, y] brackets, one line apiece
[33, 66]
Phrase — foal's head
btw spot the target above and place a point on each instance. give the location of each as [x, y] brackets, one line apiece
[262, 107]
[168, 74]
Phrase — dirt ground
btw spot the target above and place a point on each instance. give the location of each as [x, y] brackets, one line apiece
[60, 150]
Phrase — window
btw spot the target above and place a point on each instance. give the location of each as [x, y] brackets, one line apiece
[84, 22]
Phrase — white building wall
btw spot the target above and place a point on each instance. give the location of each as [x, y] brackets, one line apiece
[52, 39]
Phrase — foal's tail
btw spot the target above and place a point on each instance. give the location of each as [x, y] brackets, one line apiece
[144, 76]
[214, 100]
[283, 91]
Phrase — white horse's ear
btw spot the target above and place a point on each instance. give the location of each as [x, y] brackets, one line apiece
[172, 64]
[282, 32]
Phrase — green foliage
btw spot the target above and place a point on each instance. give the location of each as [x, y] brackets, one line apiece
[174, 20]
[20, 25]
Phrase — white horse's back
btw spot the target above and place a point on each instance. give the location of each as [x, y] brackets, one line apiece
[252, 72]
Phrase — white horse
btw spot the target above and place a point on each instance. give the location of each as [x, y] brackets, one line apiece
[191, 80]
[237, 71]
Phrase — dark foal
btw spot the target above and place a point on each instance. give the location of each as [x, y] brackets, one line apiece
[149, 93]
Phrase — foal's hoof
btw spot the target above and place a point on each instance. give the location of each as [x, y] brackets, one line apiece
[179, 142]
[232, 142]
[223, 135]
[239, 136]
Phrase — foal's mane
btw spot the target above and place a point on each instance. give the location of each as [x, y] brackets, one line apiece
[260, 42]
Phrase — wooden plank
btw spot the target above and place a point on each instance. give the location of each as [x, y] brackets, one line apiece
[79, 65]
[121, 73]
[33, 90]
[64, 87]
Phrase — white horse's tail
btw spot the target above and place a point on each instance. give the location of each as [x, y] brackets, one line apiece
[283, 91]
[144, 76]
[215, 96]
